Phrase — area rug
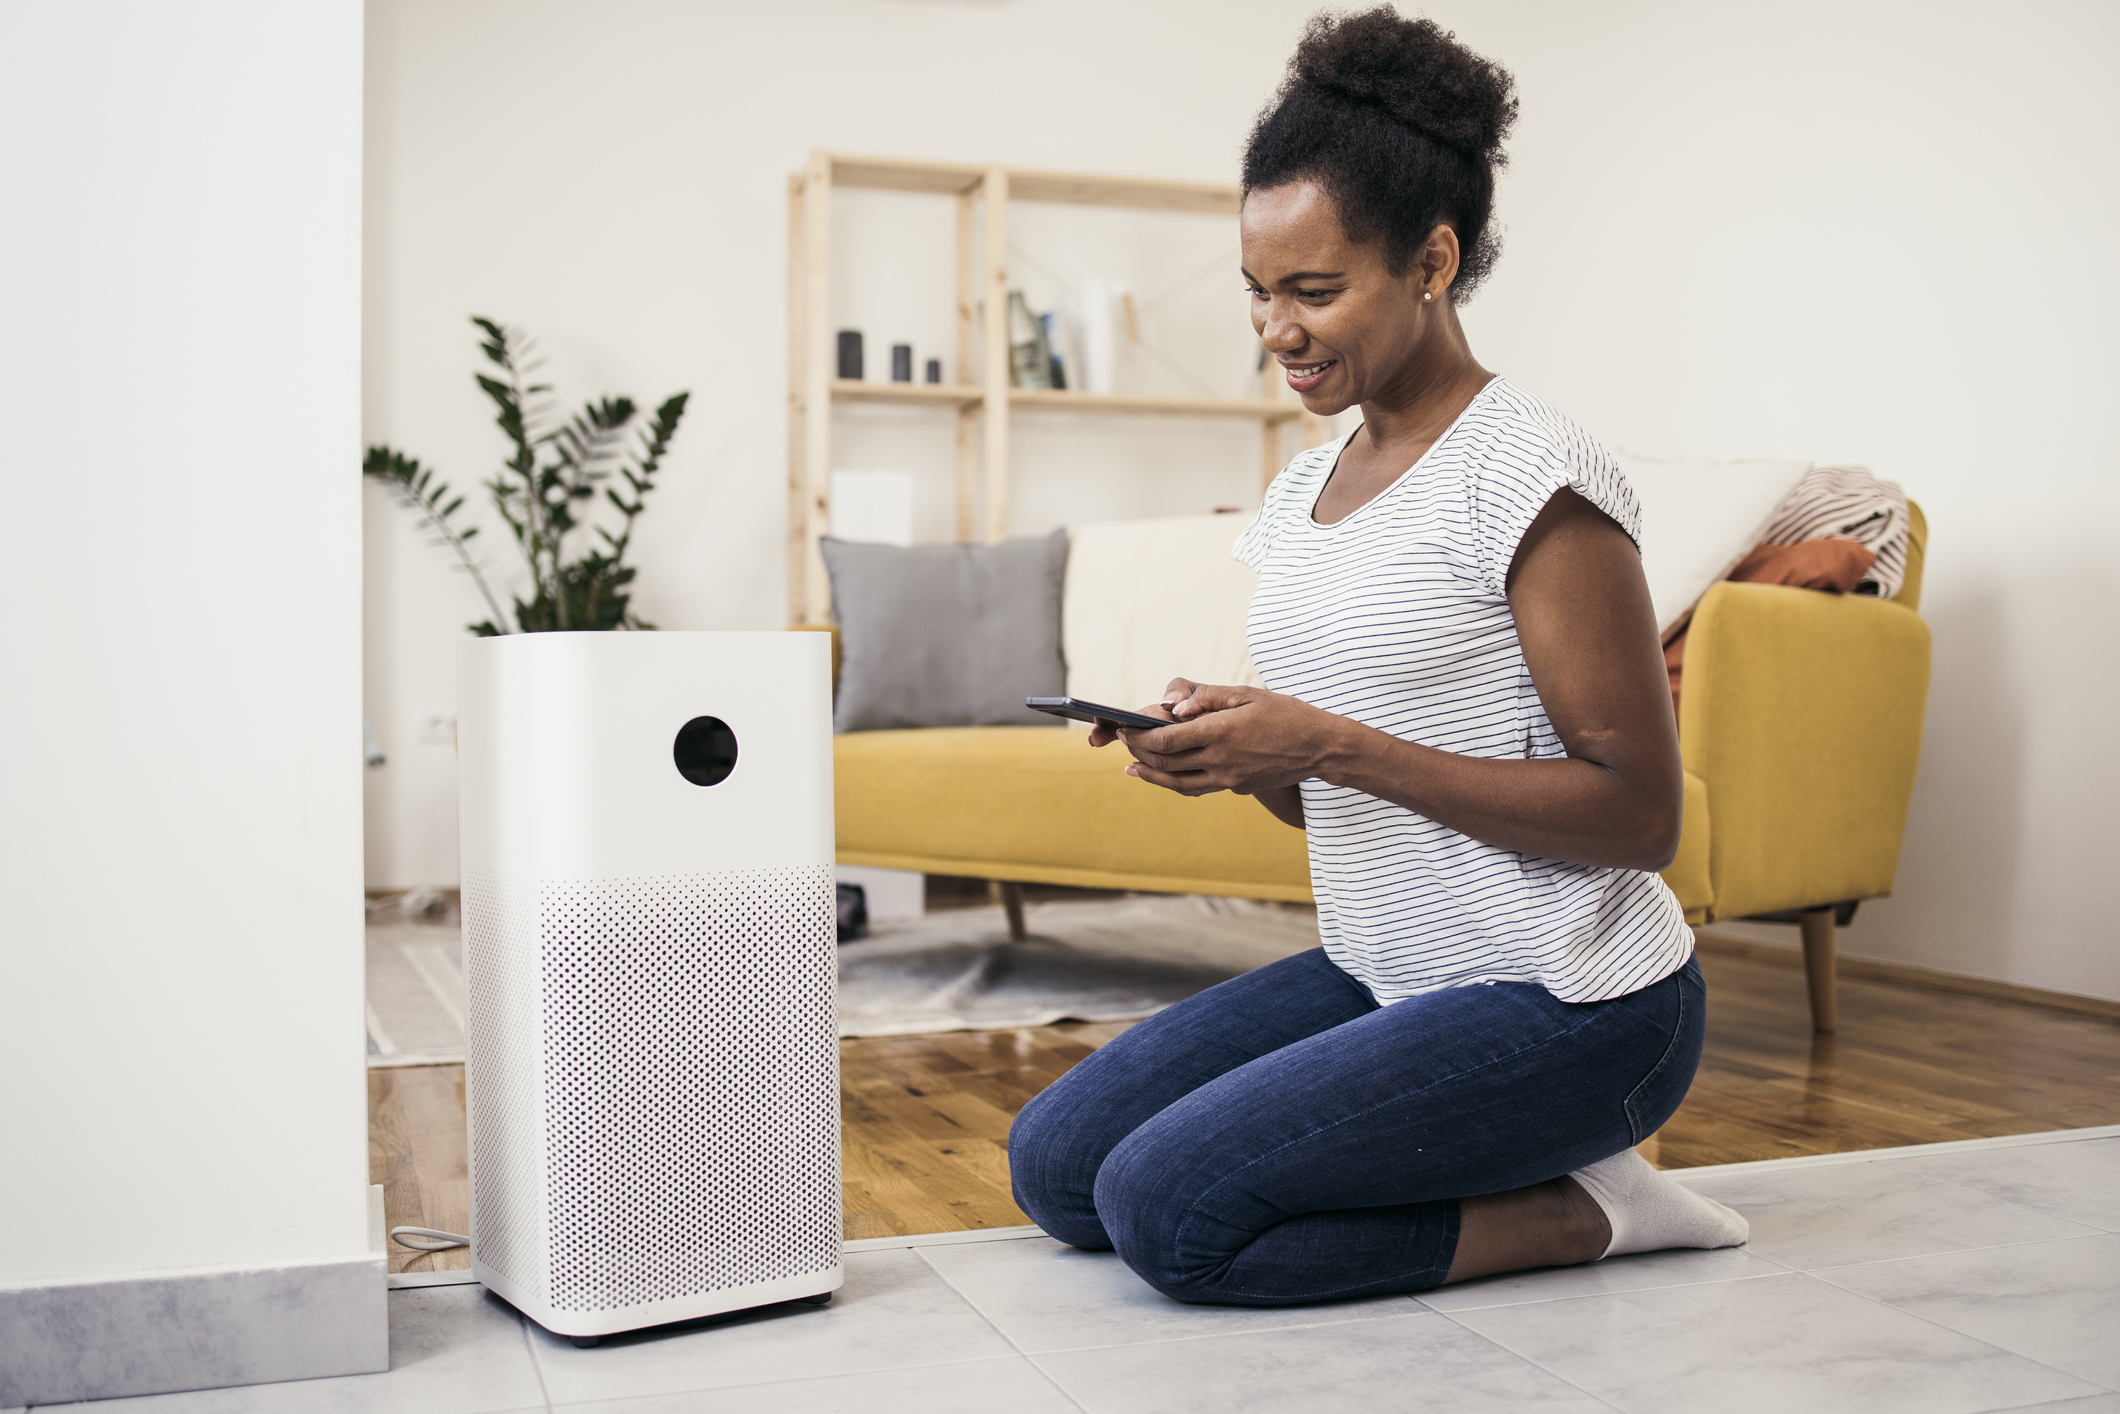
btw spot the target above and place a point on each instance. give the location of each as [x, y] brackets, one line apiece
[415, 994]
[1105, 960]
[955, 970]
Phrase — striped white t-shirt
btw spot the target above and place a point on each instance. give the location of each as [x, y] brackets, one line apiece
[1396, 616]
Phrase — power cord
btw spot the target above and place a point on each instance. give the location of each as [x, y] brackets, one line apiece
[441, 1241]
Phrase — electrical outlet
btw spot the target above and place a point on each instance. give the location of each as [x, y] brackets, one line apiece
[437, 726]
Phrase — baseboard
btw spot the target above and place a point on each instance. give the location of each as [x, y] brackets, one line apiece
[1910, 976]
[64, 1341]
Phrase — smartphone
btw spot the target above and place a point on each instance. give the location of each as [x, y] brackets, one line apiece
[1092, 712]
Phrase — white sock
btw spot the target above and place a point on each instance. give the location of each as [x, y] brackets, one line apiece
[1650, 1212]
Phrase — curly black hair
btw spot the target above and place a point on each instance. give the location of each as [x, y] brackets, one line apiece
[1402, 126]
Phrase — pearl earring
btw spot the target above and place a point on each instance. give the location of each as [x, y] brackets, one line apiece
[1427, 295]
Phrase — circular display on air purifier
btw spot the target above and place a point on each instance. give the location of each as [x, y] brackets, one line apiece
[705, 751]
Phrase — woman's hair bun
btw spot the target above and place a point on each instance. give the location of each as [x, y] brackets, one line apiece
[1416, 72]
[1402, 125]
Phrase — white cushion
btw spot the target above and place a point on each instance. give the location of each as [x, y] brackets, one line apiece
[1149, 600]
[1699, 517]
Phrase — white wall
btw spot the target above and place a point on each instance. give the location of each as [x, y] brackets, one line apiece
[180, 972]
[1878, 233]
[1881, 233]
[634, 218]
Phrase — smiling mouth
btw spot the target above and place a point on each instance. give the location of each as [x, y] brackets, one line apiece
[1307, 372]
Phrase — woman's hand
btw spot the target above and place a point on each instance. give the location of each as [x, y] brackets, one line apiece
[1241, 739]
[1174, 697]
[1104, 733]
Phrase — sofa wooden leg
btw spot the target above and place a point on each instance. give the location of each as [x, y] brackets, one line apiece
[1819, 970]
[1011, 897]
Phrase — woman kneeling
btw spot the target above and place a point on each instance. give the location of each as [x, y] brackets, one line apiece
[1470, 718]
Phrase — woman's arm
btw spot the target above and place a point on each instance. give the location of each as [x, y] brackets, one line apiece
[1589, 637]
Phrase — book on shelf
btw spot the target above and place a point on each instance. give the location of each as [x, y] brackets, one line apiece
[1030, 363]
[1055, 336]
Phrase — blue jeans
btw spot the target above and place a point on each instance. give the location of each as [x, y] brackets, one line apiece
[1281, 1138]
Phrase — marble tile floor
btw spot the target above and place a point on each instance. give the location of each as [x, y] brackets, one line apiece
[1944, 1279]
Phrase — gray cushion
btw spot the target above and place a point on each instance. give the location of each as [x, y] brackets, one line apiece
[947, 635]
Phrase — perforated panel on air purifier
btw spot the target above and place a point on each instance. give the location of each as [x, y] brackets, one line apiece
[692, 1084]
[504, 1049]
[689, 1067]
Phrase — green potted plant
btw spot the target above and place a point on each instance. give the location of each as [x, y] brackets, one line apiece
[547, 491]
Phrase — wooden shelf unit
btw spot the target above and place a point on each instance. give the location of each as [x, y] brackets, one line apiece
[983, 409]
[963, 395]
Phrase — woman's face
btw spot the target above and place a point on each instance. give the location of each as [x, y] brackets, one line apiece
[1344, 329]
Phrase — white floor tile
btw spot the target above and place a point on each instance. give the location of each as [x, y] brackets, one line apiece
[2079, 1181]
[1830, 1217]
[1045, 1295]
[453, 1350]
[1771, 1345]
[1013, 1385]
[1643, 1271]
[2056, 1302]
[1419, 1360]
[1951, 1283]
[893, 1312]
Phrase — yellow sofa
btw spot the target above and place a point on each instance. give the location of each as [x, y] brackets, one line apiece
[1800, 727]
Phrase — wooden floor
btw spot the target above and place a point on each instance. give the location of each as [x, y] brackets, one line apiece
[1909, 1065]
[416, 1150]
[926, 1117]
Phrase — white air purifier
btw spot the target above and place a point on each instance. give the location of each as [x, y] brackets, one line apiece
[652, 1067]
